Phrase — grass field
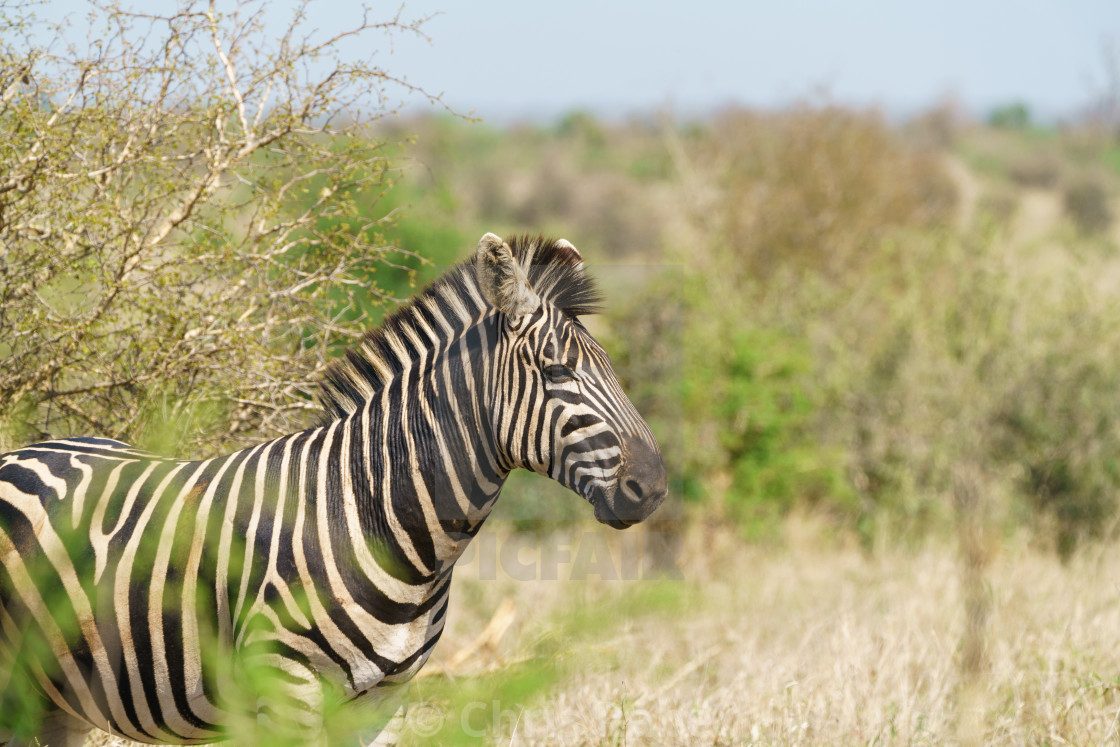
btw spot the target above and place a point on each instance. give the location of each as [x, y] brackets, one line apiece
[801, 645]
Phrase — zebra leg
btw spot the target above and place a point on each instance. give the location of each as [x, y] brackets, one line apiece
[385, 734]
[292, 705]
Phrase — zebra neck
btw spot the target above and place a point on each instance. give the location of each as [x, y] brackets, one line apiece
[423, 462]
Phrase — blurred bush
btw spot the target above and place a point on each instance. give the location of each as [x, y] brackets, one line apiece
[1087, 202]
[937, 128]
[1013, 116]
[731, 404]
[1000, 203]
[845, 350]
[815, 189]
[1040, 169]
[597, 183]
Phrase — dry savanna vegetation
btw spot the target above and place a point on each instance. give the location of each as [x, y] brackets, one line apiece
[879, 358]
[808, 644]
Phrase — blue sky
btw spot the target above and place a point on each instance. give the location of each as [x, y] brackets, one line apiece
[506, 58]
[509, 59]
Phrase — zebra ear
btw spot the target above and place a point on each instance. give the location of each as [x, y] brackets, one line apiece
[502, 280]
[565, 244]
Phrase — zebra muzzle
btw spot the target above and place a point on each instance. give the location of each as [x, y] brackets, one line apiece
[641, 488]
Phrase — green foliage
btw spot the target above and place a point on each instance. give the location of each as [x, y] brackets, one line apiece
[734, 408]
[584, 179]
[165, 422]
[415, 227]
[1059, 422]
[1014, 116]
[749, 400]
[1111, 158]
[537, 505]
[462, 711]
[763, 413]
[581, 125]
[805, 199]
[425, 225]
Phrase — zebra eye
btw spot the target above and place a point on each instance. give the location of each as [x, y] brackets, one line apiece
[558, 373]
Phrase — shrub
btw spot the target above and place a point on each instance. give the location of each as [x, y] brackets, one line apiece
[815, 189]
[1000, 203]
[1087, 203]
[968, 357]
[1040, 169]
[936, 128]
[735, 401]
[1014, 116]
[763, 409]
[184, 211]
[1058, 421]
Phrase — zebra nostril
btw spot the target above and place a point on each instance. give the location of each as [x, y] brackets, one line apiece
[633, 487]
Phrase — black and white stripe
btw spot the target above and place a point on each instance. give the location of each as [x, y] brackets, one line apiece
[135, 588]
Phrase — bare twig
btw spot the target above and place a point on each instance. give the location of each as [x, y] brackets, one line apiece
[183, 211]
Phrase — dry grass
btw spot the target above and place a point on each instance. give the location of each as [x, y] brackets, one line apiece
[813, 646]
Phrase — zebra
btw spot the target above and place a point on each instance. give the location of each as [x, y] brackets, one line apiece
[131, 584]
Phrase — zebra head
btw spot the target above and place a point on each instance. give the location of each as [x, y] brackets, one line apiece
[556, 404]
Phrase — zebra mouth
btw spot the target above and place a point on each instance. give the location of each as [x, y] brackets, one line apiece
[604, 514]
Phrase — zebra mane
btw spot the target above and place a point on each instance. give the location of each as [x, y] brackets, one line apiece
[442, 311]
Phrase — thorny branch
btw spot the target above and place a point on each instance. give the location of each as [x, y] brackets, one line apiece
[186, 222]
